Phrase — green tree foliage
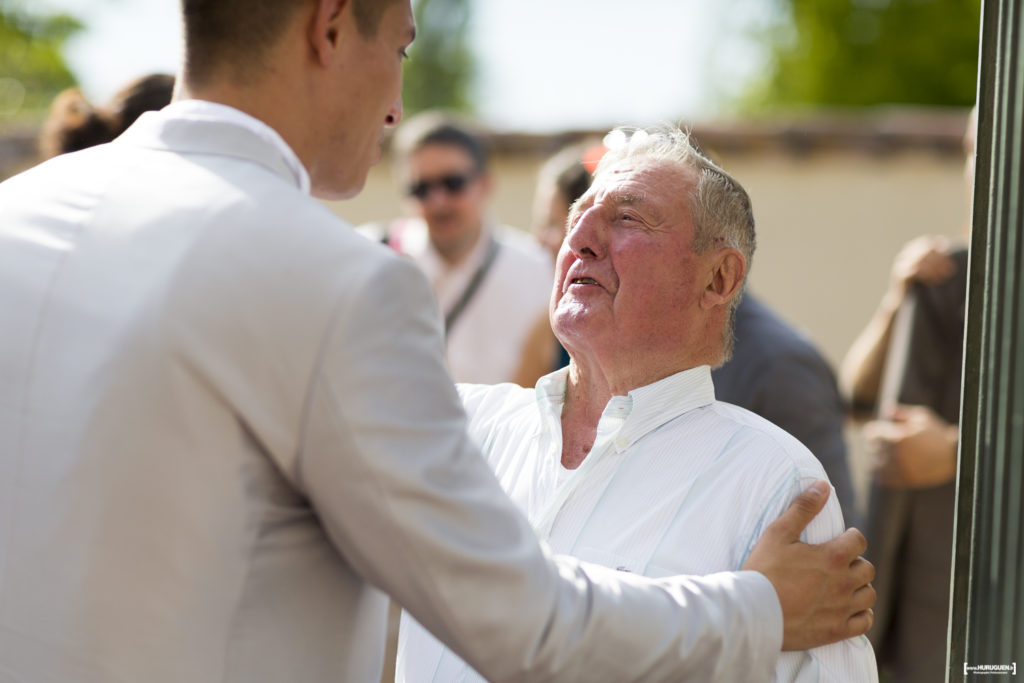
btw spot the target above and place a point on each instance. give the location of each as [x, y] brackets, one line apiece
[32, 67]
[440, 71]
[868, 52]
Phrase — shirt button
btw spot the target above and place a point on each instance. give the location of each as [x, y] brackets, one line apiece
[621, 443]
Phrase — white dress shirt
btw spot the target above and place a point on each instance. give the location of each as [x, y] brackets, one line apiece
[675, 482]
[226, 429]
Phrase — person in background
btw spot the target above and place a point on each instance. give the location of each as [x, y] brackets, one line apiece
[904, 370]
[625, 458]
[227, 430]
[491, 281]
[73, 123]
[562, 179]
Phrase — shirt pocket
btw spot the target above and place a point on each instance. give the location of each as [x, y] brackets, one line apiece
[609, 559]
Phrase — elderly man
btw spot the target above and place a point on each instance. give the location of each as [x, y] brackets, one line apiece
[491, 281]
[625, 458]
[226, 428]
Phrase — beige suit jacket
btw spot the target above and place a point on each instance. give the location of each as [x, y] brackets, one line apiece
[226, 429]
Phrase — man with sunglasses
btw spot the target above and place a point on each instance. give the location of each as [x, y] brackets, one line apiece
[491, 282]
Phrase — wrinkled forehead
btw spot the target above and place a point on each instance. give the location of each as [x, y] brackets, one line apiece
[656, 182]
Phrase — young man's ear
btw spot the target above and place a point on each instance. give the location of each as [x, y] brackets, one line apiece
[726, 278]
[325, 30]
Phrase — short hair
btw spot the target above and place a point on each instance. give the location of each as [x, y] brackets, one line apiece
[722, 212]
[237, 34]
[73, 123]
[147, 93]
[441, 128]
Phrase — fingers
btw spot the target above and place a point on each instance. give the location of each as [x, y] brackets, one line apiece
[862, 570]
[899, 413]
[934, 267]
[859, 623]
[878, 435]
[924, 259]
[863, 599]
[804, 508]
[847, 548]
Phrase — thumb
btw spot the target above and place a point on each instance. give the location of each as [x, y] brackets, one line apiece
[801, 511]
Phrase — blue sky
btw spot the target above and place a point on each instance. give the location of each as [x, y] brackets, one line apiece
[544, 65]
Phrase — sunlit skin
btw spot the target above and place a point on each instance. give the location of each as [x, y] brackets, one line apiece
[632, 302]
[363, 97]
[330, 91]
[454, 219]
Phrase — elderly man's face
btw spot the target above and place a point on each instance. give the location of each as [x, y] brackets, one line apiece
[627, 278]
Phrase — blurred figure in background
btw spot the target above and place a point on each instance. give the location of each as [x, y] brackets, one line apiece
[778, 373]
[905, 369]
[492, 282]
[73, 123]
[562, 179]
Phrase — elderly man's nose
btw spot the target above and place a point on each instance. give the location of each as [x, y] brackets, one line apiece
[586, 237]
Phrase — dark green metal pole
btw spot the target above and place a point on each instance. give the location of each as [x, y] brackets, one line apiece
[986, 619]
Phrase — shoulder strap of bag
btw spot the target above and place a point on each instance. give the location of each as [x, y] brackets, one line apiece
[472, 287]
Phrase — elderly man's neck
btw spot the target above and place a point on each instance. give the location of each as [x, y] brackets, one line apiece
[592, 384]
[593, 380]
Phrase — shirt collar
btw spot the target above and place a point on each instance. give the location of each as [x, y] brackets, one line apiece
[641, 411]
[203, 110]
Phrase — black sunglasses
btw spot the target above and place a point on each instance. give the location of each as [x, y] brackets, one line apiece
[453, 183]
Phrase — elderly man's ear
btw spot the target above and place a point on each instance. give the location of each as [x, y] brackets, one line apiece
[724, 278]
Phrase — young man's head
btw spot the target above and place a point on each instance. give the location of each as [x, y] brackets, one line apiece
[325, 74]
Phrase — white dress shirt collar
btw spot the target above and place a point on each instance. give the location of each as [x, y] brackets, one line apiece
[203, 110]
[638, 413]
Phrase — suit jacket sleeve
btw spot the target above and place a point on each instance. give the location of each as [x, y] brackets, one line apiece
[413, 508]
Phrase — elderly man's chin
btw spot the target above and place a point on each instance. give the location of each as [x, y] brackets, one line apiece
[571, 318]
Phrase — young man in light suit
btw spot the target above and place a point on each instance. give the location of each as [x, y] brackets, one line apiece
[226, 430]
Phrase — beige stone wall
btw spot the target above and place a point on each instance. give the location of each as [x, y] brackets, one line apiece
[828, 224]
